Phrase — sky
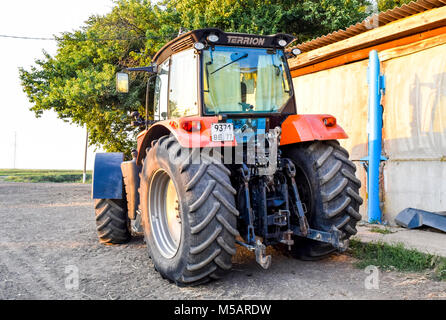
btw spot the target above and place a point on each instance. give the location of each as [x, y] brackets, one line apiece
[46, 142]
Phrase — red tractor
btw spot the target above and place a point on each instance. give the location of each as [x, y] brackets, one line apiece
[226, 160]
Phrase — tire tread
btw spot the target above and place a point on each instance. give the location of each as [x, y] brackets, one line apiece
[111, 221]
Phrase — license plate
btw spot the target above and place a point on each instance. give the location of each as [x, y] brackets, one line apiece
[222, 132]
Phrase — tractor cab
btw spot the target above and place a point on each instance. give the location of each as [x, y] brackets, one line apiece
[208, 72]
[244, 80]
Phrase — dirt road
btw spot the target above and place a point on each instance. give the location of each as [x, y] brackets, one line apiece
[47, 236]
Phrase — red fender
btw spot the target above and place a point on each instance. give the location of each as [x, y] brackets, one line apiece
[195, 132]
[310, 127]
[198, 134]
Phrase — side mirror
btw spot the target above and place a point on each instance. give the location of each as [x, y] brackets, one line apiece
[122, 82]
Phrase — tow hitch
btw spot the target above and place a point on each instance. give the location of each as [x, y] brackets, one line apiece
[259, 248]
[333, 237]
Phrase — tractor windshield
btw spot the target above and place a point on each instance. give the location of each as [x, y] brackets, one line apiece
[236, 80]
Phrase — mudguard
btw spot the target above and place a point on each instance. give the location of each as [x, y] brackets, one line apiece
[130, 172]
[309, 127]
[295, 128]
[198, 139]
[107, 176]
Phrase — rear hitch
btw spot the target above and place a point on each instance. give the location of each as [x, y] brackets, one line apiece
[290, 170]
[287, 238]
[246, 176]
[303, 230]
[280, 219]
[259, 249]
[262, 259]
[333, 237]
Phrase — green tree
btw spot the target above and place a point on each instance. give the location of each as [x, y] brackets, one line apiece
[78, 83]
[384, 5]
[303, 18]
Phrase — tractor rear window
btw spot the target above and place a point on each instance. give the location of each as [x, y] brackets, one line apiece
[244, 80]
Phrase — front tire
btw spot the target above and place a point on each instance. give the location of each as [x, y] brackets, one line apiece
[203, 247]
[112, 223]
[330, 189]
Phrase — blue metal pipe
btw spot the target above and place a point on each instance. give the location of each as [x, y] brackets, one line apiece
[375, 121]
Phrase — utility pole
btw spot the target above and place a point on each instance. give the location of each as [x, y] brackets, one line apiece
[15, 147]
[84, 175]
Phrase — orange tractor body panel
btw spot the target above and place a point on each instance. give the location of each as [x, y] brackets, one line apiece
[195, 131]
[310, 127]
[191, 132]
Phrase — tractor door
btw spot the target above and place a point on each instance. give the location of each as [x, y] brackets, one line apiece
[160, 97]
[183, 84]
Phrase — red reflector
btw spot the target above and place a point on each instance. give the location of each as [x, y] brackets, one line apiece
[330, 121]
[187, 125]
[173, 124]
[191, 125]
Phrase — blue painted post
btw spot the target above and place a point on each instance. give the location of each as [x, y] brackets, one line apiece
[376, 88]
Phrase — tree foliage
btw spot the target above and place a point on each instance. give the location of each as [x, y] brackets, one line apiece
[384, 5]
[304, 19]
[78, 83]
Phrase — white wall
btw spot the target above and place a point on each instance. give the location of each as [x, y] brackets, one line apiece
[414, 131]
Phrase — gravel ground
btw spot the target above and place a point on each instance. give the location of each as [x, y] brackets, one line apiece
[48, 232]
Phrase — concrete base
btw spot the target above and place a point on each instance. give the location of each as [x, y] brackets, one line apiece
[413, 184]
[430, 242]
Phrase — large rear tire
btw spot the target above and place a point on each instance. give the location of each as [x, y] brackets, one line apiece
[193, 241]
[112, 223]
[329, 190]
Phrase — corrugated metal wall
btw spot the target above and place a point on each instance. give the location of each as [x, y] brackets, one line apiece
[414, 122]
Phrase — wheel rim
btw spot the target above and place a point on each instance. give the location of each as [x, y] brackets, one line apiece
[165, 216]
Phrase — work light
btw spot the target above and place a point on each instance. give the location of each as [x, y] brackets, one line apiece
[213, 37]
[198, 45]
[296, 51]
[282, 42]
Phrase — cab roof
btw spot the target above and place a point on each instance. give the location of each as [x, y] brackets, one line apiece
[187, 40]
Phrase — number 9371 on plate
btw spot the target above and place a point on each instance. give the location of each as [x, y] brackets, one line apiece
[222, 132]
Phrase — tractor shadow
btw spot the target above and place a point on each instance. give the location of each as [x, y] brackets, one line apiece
[283, 265]
[136, 241]
[284, 271]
